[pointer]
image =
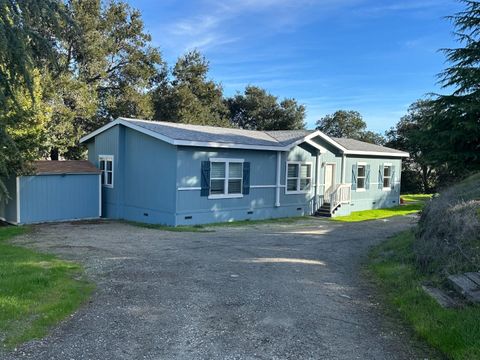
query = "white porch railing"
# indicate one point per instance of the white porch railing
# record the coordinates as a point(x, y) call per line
point(342, 194)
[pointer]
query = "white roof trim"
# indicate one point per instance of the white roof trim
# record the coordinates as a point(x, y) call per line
point(322, 135)
point(316, 146)
point(377, 153)
point(121, 121)
point(213, 144)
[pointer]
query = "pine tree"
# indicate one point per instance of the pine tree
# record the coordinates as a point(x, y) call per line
point(454, 130)
point(190, 97)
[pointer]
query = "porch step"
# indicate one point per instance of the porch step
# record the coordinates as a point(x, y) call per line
point(324, 210)
point(323, 213)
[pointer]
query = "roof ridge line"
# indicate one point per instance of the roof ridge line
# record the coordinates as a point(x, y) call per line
point(266, 133)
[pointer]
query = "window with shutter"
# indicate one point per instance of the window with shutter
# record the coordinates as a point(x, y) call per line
point(361, 176)
point(387, 176)
point(226, 178)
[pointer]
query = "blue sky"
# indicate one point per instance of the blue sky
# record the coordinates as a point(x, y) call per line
point(376, 57)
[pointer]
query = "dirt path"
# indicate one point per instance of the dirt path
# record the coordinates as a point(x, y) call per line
point(258, 292)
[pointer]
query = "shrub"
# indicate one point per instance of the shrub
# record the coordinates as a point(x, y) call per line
point(448, 236)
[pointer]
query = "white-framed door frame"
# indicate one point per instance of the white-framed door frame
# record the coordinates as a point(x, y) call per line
point(334, 170)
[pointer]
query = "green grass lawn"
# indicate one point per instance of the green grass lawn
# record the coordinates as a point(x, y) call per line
point(416, 197)
point(455, 332)
point(36, 290)
point(413, 204)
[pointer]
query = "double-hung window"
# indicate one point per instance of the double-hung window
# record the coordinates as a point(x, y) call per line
point(299, 177)
point(106, 166)
point(226, 178)
point(387, 177)
point(361, 177)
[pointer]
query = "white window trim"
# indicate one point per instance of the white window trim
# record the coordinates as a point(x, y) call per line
point(226, 195)
point(363, 177)
point(389, 188)
point(108, 158)
point(298, 178)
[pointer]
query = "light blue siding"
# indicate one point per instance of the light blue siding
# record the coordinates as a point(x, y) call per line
point(108, 143)
point(149, 174)
point(259, 204)
point(374, 197)
point(144, 176)
point(58, 197)
point(203, 210)
point(156, 182)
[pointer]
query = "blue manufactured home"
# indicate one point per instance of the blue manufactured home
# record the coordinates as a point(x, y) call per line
point(179, 174)
point(54, 191)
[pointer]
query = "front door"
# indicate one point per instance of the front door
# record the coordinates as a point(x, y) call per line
point(329, 181)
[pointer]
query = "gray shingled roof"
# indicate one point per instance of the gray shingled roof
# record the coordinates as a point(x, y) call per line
point(202, 133)
point(286, 137)
point(356, 145)
point(212, 136)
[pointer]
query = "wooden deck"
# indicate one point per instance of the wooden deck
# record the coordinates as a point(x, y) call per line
point(468, 285)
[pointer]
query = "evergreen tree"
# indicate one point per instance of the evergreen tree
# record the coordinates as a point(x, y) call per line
point(190, 97)
point(348, 124)
point(410, 133)
point(256, 109)
point(454, 129)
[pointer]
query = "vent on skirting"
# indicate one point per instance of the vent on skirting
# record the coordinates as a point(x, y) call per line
point(188, 217)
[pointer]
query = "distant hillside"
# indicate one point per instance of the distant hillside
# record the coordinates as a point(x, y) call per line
point(448, 235)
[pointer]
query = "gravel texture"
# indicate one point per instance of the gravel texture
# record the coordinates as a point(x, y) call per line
point(273, 291)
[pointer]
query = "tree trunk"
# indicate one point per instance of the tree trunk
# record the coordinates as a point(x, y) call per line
point(54, 154)
point(425, 176)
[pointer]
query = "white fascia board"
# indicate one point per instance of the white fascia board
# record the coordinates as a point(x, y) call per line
point(99, 130)
point(316, 146)
point(121, 121)
point(378, 153)
point(147, 131)
point(322, 135)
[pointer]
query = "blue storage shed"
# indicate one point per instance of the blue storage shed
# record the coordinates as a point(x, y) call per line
point(55, 191)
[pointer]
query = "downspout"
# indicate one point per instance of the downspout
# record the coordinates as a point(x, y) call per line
point(277, 189)
point(344, 164)
point(317, 181)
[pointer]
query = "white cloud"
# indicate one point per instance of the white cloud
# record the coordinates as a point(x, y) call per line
point(212, 26)
point(404, 6)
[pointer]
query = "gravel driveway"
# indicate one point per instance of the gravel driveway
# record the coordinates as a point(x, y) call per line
point(254, 292)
